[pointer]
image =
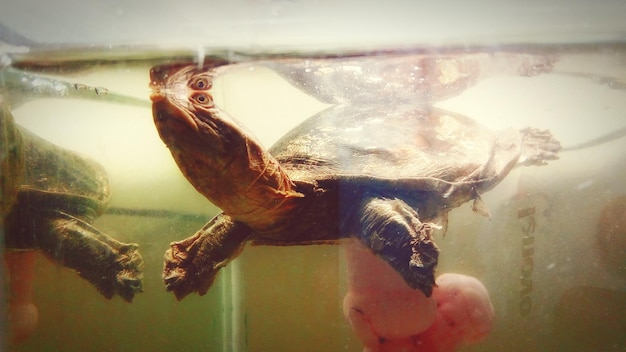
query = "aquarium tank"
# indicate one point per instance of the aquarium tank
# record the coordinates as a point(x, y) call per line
point(263, 175)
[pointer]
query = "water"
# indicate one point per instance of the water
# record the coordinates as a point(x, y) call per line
point(553, 286)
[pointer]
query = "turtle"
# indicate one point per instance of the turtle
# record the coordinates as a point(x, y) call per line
point(382, 173)
point(50, 198)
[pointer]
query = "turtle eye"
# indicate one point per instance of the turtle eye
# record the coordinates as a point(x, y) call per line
point(200, 83)
point(202, 99)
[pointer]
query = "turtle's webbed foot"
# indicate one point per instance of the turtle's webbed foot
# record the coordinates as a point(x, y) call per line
point(538, 147)
point(192, 264)
point(111, 266)
point(391, 228)
point(179, 272)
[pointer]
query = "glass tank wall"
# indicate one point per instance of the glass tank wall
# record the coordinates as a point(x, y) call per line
point(547, 243)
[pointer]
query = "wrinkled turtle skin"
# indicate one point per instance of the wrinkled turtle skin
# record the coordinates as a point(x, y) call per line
point(378, 172)
point(58, 194)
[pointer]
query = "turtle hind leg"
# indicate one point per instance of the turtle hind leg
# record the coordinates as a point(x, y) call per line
point(192, 264)
point(538, 147)
point(392, 230)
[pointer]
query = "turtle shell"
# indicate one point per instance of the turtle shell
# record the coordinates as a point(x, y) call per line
point(411, 147)
point(56, 180)
point(402, 76)
point(63, 180)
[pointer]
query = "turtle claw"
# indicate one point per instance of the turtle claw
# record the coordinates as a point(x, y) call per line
point(129, 272)
point(174, 272)
point(171, 277)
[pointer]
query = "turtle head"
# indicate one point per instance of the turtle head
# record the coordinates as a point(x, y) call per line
point(218, 156)
point(187, 118)
point(202, 138)
point(181, 93)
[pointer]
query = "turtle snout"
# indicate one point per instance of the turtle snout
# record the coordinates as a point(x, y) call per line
point(157, 76)
point(157, 95)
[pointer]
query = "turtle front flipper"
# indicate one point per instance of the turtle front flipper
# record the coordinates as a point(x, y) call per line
point(191, 265)
point(392, 230)
point(111, 266)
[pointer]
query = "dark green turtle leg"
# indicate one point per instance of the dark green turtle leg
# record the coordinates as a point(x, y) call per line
point(111, 266)
point(191, 265)
point(392, 230)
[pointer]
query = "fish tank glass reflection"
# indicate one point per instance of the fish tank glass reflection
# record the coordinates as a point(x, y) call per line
point(451, 197)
